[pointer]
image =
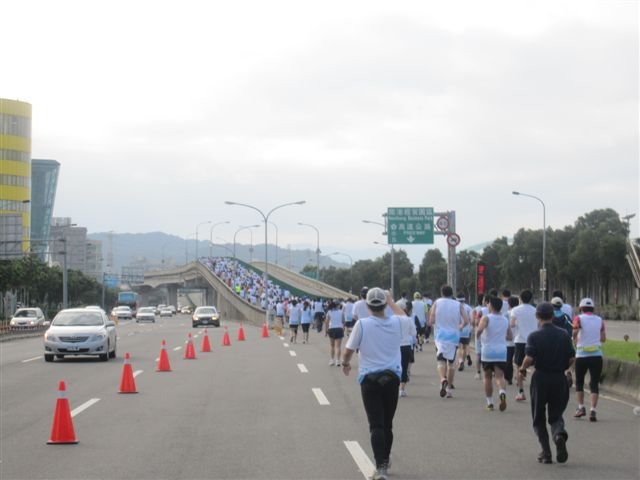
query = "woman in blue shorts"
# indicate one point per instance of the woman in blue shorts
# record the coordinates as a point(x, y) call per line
point(334, 329)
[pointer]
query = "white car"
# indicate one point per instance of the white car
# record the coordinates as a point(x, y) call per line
point(146, 314)
point(166, 312)
point(122, 312)
point(78, 331)
point(27, 318)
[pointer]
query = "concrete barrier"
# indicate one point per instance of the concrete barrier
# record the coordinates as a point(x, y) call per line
point(621, 378)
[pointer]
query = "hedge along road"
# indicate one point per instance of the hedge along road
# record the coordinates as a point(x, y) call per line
point(267, 409)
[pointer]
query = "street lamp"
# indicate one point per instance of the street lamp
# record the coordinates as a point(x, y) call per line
point(627, 218)
point(202, 223)
point(392, 263)
point(276, 227)
point(543, 271)
point(266, 220)
point(65, 274)
point(317, 248)
point(235, 234)
point(224, 246)
point(350, 268)
point(211, 235)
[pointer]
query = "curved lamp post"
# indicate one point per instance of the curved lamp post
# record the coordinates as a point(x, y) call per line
point(350, 268)
point(211, 235)
point(317, 247)
point(235, 234)
point(543, 271)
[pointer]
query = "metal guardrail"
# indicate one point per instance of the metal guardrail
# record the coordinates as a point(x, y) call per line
point(633, 257)
point(8, 333)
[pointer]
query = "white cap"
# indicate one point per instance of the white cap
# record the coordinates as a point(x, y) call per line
point(586, 302)
point(376, 297)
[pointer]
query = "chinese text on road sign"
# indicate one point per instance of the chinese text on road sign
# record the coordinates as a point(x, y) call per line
point(409, 225)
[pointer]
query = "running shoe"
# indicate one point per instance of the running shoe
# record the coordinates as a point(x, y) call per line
point(380, 473)
point(461, 367)
point(520, 397)
point(449, 393)
point(403, 392)
point(469, 362)
point(580, 412)
point(477, 376)
point(332, 362)
point(561, 448)
point(545, 457)
point(592, 416)
point(490, 407)
point(503, 402)
point(338, 363)
point(443, 388)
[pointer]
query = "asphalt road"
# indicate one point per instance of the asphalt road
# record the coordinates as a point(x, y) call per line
point(264, 409)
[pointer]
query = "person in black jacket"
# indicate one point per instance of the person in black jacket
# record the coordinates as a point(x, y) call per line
point(551, 351)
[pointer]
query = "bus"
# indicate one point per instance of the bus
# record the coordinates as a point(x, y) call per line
point(128, 299)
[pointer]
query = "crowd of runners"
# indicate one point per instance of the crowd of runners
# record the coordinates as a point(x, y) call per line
point(511, 336)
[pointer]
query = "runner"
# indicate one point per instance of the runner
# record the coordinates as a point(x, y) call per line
point(334, 329)
point(279, 317)
point(406, 351)
point(305, 320)
point(295, 313)
point(523, 321)
point(551, 351)
point(318, 314)
point(506, 310)
point(449, 318)
point(360, 309)
point(494, 332)
point(481, 310)
point(465, 333)
point(347, 310)
point(566, 308)
point(588, 335)
point(378, 338)
point(420, 318)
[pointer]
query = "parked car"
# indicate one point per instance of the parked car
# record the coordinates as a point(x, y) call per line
point(25, 318)
point(122, 312)
point(166, 312)
point(80, 331)
point(146, 314)
point(205, 316)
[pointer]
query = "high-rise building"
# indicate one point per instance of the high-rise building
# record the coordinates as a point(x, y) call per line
point(15, 177)
point(68, 243)
point(44, 181)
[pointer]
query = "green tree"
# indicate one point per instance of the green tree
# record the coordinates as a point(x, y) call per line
point(433, 272)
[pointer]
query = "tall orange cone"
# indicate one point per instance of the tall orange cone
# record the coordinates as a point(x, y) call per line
point(265, 330)
point(127, 383)
point(190, 352)
point(226, 341)
point(241, 337)
point(206, 346)
point(163, 361)
point(62, 429)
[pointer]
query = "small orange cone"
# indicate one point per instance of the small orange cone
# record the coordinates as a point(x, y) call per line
point(265, 330)
point(163, 361)
point(241, 337)
point(62, 429)
point(226, 341)
point(127, 383)
point(206, 346)
point(190, 352)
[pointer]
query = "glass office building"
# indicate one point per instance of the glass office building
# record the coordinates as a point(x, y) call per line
point(15, 177)
point(44, 181)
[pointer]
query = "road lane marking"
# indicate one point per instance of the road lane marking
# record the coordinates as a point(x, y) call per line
point(322, 400)
point(177, 348)
point(302, 368)
point(282, 338)
point(32, 359)
point(365, 465)
point(84, 406)
point(292, 353)
point(285, 345)
point(137, 372)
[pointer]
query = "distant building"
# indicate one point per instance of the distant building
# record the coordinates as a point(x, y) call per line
point(94, 260)
point(44, 181)
point(68, 240)
point(15, 178)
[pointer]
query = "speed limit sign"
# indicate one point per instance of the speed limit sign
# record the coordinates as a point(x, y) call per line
point(453, 239)
point(442, 223)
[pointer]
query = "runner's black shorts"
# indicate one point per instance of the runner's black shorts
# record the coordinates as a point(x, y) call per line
point(464, 340)
point(491, 366)
point(305, 327)
point(518, 355)
point(336, 333)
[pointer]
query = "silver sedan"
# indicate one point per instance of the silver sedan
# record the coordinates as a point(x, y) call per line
point(80, 331)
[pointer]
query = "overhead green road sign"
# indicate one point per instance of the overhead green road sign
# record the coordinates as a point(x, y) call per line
point(409, 226)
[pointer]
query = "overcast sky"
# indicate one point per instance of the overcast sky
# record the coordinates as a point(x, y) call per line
point(159, 111)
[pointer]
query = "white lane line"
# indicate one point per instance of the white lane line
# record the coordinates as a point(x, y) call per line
point(131, 334)
point(617, 400)
point(177, 348)
point(322, 400)
point(137, 372)
point(282, 338)
point(292, 353)
point(84, 406)
point(302, 368)
point(32, 359)
point(365, 465)
point(285, 345)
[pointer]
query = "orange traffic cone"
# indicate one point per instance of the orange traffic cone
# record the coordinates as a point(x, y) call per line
point(163, 361)
point(206, 346)
point(127, 383)
point(265, 330)
point(62, 430)
point(190, 352)
point(241, 337)
point(226, 341)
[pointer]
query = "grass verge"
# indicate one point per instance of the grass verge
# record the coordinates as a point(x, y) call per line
point(621, 350)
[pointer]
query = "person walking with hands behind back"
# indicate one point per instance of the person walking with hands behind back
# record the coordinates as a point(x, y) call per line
point(378, 339)
point(550, 350)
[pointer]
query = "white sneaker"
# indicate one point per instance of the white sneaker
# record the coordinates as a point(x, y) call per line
point(477, 376)
point(332, 362)
point(403, 392)
point(338, 363)
point(380, 474)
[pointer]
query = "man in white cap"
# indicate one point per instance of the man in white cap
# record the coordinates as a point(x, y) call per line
point(449, 317)
point(377, 338)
